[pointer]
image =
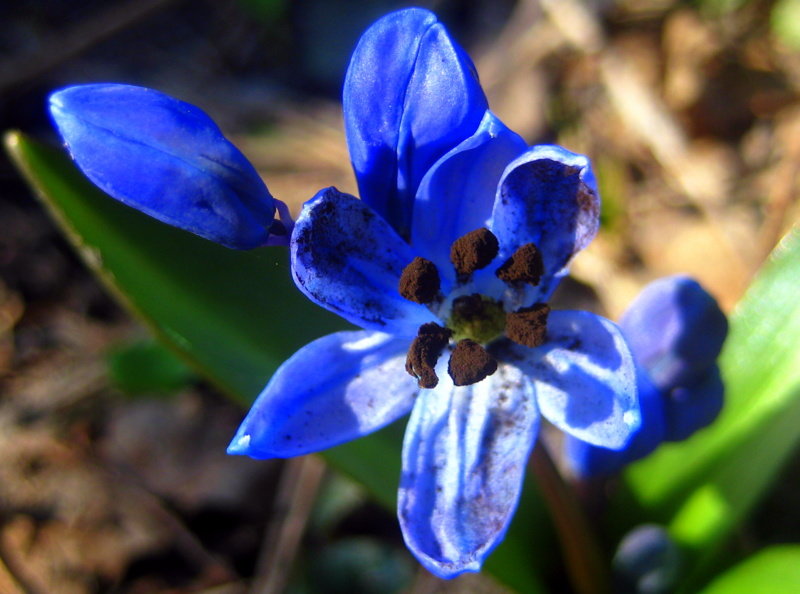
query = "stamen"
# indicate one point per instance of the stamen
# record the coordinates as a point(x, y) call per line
point(470, 363)
point(473, 251)
point(528, 326)
point(524, 266)
point(424, 353)
point(420, 281)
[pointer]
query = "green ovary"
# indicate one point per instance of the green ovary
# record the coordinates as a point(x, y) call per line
point(482, 326)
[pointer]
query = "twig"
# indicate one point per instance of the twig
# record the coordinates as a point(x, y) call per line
point(294, 501)
point(16, 570)
point(586, 567)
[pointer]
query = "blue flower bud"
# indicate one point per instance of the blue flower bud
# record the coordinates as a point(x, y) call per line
point(165, 158)
point(676, 330)
point(647, 561)
point(689, 408)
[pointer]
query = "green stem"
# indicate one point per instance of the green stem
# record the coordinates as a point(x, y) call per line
point(585, 563)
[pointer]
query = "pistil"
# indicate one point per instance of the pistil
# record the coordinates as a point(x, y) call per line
point(477, 317)
point(474, 320)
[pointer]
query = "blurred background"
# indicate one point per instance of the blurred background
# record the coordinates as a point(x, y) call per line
point(113, 476)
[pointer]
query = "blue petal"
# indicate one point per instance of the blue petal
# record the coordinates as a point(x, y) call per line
point(676, 330)
point(464, 458)
point(349, 260)
point(548, 196)
point(337, 388)
point(585, 378)
point(690, 408)
point(166, 158)
point(457, 194)
point(410, 95)
point(588, 460)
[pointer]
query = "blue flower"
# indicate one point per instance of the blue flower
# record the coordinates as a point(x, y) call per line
point(446, 263)
point(676, 331)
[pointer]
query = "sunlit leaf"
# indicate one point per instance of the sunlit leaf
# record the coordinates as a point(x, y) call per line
point(233, 315)
point(785, 22)
point(775, 569)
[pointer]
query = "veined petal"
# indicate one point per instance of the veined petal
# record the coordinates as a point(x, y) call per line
point(587, 460)
point(585, 378)
point(464, 457)
point(548, 196)
point(457, 194)
point(349, 260)
point(166, 158)
point(410, 95)
point(337, 388)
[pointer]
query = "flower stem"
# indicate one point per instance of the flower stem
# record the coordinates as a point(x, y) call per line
point(586, 567)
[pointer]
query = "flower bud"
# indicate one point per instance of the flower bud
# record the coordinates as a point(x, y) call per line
point(689, 408)
point(647, 561)
point(676, 330)
point(165, 158)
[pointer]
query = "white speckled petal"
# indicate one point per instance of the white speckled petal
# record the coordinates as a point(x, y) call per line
point(548, 196)
point(347, 259)
point(464, 458)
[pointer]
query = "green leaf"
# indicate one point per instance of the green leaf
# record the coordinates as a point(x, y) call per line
point(785, 22)
point(704, 487)
point(714, 8)
point(233, 316)
point(266, 10)
point(775, 569)
point(147, 367)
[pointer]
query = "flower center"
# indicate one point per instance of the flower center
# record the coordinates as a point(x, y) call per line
point(477, 317)
point(474, 320)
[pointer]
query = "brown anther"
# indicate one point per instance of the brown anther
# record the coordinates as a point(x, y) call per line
point(470, 363)
point(424, 353)
point(528, 326)
point(473, 251)
point(420, 281)
point(524, 266)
